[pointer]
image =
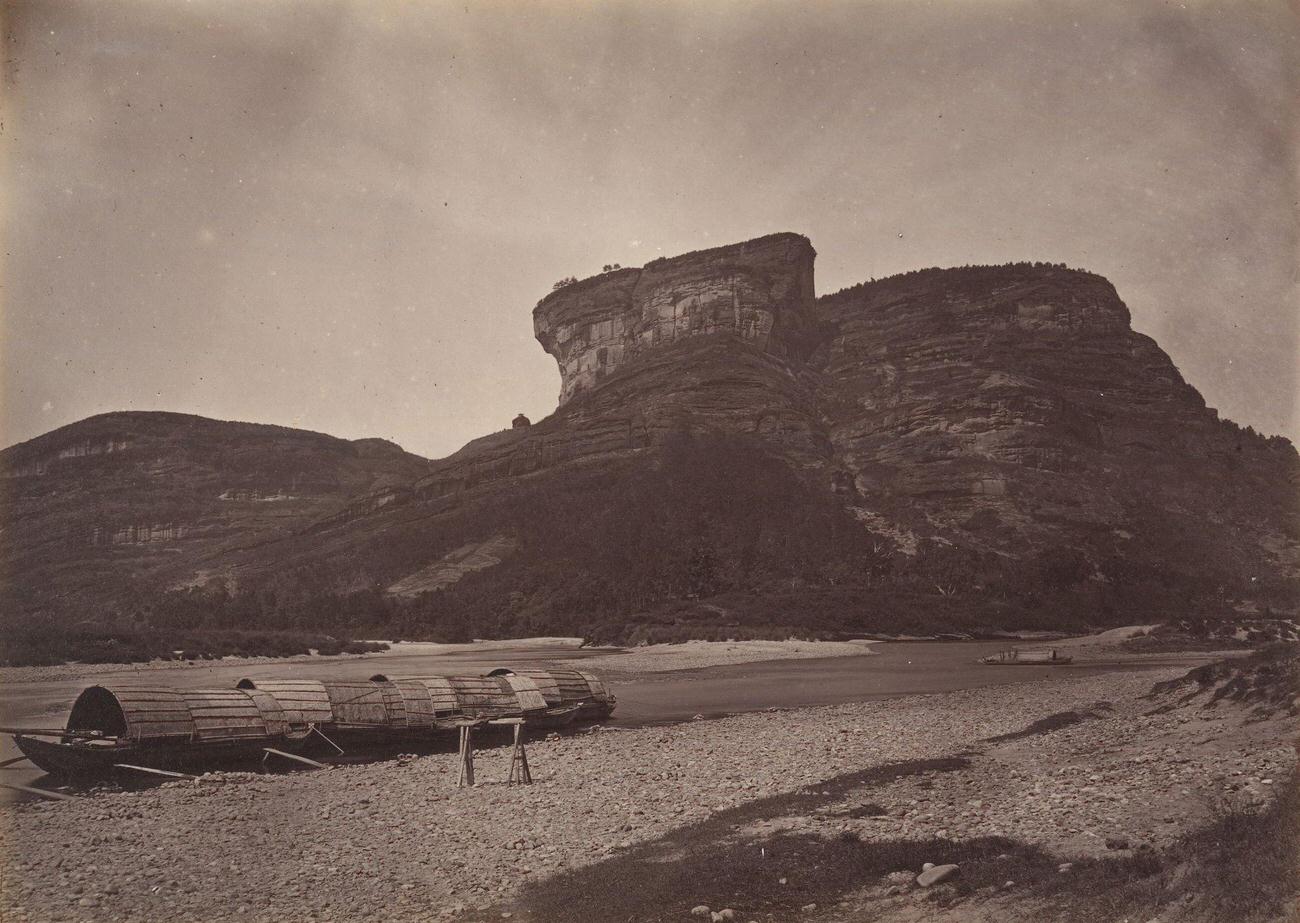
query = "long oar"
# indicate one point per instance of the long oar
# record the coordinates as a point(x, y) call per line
point(44, 793)
point(293, 756)
point(49, 732)
point(156, 772)
point(317, 731)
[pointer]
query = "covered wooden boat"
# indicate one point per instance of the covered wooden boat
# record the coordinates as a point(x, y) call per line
point(485, 698)
point(305, 702)
point(446, 701)
point(380, 710)
point(165, 728)
point(1034, 658)
point(583, 692)
point(537, 711)
point(427, 703)
point(162, 728)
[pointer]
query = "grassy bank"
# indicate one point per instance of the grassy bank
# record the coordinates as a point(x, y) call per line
point(1201, 634)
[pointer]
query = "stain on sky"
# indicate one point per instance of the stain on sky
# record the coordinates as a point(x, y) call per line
point(339, 215)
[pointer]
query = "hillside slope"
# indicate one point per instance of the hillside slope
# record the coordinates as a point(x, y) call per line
point(145, 501)
point(962, 449)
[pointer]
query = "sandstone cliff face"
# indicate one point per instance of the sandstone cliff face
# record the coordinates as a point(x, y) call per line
point(1004, 410)
point(709, 340)
point(1019, 399)
point(974, 383)
point(695, 385)
point(1001, 407)
point(760, 291)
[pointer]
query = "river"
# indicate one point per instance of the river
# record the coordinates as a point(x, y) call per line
point(893, 669)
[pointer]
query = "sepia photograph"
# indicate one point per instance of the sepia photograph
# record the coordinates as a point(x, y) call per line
point(649, 461)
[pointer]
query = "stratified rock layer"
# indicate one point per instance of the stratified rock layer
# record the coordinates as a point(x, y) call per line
point(1020, 400)
point(1001, 409)
point(130, 500)
point(760, 291)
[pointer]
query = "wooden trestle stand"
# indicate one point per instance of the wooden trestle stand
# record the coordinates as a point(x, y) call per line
point(466, 774)
point(519, 771)
point(520, 774)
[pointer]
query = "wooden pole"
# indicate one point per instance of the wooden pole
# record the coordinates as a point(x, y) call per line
point(469, 755)
point(466, 774)
point(9, 762)
point(317, 731)
point(156, 772)
point(293, 756)
point(55, 796)
point(519, 760)
point(49, 732)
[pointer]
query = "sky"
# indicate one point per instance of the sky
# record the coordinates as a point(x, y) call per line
point(339, 216)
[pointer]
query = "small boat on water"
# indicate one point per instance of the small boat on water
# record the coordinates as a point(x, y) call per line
point(1039, 657)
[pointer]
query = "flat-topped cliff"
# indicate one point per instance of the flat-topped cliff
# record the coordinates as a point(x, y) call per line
point(760, 291)
point(995, 445)
point(1014, 407)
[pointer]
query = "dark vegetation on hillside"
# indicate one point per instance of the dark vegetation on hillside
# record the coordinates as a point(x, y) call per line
point(720, 539)
point(1203, 634)
point(978, 277)
point(47, 644)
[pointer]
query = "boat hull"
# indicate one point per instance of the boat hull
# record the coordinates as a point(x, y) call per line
point(553, 718)
point(998, 660)
point(62, 758)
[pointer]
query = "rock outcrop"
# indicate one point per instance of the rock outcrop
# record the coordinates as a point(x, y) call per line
point(1008, 410)
point(760, 291)
point(999, 406)
point(1015, 405)
point(455, 565)
point(1002, 410)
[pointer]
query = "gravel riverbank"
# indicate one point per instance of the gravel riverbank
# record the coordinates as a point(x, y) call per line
point(398, 841)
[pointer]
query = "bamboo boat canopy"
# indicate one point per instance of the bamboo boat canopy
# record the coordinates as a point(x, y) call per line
point(379, 702)
point(142, 728)
point(485, 697)
point(157, 713)
point(304, 701)
point(275, 708)
point(566, 689)
point(528, 693)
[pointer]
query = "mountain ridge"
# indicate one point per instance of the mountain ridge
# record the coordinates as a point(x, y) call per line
point(944, 439)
